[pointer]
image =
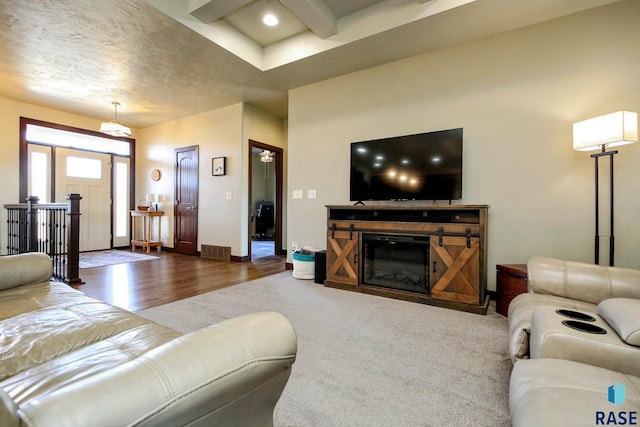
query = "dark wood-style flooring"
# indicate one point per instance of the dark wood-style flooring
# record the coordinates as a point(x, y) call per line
point(145, 284)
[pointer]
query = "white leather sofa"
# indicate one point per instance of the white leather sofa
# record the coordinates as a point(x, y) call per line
point(579, 326)
point(565, 284)
point(69, 360)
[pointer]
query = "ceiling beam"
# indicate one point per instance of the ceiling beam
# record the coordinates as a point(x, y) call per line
point(315, 14)
point(208, 11)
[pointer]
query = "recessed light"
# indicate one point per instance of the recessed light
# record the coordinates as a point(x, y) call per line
point(270, 20)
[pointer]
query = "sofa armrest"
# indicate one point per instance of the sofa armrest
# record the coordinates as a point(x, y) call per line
point(231, 373)
point(24, 269)
point(581, 281)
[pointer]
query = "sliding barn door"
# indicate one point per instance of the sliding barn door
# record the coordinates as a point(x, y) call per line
point(454, 269)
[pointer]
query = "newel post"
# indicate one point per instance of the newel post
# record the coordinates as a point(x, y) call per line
point(32, 224)
point(73, 256)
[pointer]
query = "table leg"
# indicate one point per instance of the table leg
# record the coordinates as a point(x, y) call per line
point(159, 234)
point(133, 233)
point(148, 234)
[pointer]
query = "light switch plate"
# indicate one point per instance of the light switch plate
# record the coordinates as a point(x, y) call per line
point(297, 194)
point(311, 194)
point(229, 195)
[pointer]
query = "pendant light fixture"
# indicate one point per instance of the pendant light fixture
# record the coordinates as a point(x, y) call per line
point(267, 156)
point(114, 127)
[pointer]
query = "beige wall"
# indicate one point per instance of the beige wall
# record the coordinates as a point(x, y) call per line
point(262, 127)
point(10, 113)
point(516, 95)
point(222, 132)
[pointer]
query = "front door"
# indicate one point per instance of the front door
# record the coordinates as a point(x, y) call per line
point(186, 209)
point(88, 174)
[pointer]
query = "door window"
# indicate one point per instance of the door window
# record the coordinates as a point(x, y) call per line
point(82, 167)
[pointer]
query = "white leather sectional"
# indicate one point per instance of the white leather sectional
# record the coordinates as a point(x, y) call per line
point(575, 342)
point(69, 360)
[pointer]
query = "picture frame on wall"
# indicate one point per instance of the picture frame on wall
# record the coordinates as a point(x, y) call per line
point(219, 166)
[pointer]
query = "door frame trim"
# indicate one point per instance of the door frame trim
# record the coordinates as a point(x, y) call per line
point(279, 189)
point(23, 178)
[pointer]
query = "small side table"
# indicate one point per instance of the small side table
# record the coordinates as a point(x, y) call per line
point(147, 219)
point(511, 281)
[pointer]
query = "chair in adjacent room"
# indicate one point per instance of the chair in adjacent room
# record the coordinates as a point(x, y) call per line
point(265, 220)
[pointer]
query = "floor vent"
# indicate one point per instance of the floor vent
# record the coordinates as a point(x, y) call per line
point(222, 253)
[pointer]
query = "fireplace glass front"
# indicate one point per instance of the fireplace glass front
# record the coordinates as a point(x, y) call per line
point(396, 262)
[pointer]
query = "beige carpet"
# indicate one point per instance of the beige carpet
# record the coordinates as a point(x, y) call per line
point(370, 361)
point(111, 257)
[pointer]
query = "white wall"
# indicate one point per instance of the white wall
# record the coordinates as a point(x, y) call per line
point(516, 95)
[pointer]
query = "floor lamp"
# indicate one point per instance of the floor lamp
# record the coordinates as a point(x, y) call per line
point(600, 133)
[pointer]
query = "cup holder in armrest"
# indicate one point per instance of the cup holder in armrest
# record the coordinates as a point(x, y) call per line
point(584, 327)
point(576, 315)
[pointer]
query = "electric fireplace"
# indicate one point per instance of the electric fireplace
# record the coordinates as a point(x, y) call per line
point(396, 261)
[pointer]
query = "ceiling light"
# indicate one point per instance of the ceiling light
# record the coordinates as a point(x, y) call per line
point(114, 127)
point(270, 20)
point(267, 156)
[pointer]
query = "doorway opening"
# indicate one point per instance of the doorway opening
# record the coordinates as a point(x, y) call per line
point(265, 200)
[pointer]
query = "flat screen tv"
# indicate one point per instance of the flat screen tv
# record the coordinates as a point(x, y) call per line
point(425, 166)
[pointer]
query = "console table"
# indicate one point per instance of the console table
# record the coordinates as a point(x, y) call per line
point(147, 219)
point(422, 253)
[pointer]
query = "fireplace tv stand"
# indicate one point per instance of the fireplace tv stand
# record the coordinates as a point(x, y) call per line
point(422, 253)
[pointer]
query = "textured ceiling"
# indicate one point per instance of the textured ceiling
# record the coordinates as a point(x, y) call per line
point(80, 55)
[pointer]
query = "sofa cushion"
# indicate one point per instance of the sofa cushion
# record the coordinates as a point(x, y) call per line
point(622, 315)
point(520, 312)
point(24, 269)
point(8, 411)
point(35, 337)
point(552, 338)
point(37, 382)
point(22, 299)
point(556, 392)
point(581, 281)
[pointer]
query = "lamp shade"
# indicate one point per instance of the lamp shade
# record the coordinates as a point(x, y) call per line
point(610, 130)
point(115, 128)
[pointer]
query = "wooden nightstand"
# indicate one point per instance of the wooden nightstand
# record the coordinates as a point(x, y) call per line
point(511, 281)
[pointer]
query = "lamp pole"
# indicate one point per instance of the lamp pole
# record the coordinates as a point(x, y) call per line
point(597, 236)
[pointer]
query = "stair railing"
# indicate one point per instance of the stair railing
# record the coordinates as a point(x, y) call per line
point(52, 228)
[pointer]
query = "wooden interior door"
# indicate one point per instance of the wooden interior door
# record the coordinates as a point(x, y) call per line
point(342, 257)
point(186, 207)
point(455, 269)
